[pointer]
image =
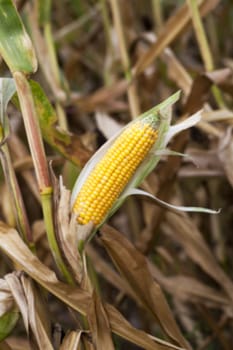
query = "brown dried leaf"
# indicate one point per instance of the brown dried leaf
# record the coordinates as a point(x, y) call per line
point(188, 288)
point(71, 341)
point(201, 87)
point(134, 335)
point(225, 154)
point(4, 346)
point(103, 97)
point(17, 343)
point(181, 228)
point(108, 273)
point(99, 325)
point(6, 299)
point(218, 115)
point(38, 314)
point(15, 248)
point(32, 309)
point(182, 287)
point(135, 271)
point(175, 68)
point(78, 299)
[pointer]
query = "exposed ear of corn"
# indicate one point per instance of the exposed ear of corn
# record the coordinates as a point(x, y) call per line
point(111, 175)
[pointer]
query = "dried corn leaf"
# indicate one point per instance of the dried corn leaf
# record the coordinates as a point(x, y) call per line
point(99, 325)
point(32, 309)
point(182, 229)
point(5, 346)
point(135, 271)
point(201, 87)
point(6, 299)
point(78, 299)
point(225, 154)
point(102, 98)
point(182, 287)
point(17, 343)
point(71, 341)
point(126, 331)
point(189, 289)
point(108, 273)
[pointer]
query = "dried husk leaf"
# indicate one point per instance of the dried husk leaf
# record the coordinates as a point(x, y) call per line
point(107, 125)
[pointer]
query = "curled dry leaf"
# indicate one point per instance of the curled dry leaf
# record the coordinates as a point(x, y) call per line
point(9, 313)
point(6, 299)
point(32, 308)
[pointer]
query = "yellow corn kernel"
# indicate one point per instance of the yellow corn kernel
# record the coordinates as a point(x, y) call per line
point(110, 176)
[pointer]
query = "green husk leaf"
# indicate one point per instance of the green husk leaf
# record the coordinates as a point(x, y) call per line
point(136, 191)
point(15, 45)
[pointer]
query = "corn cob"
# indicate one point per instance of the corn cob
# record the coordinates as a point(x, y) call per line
point(110, 176)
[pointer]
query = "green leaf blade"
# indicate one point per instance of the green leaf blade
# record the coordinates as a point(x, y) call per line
point(15, 45)
point(7, 323)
